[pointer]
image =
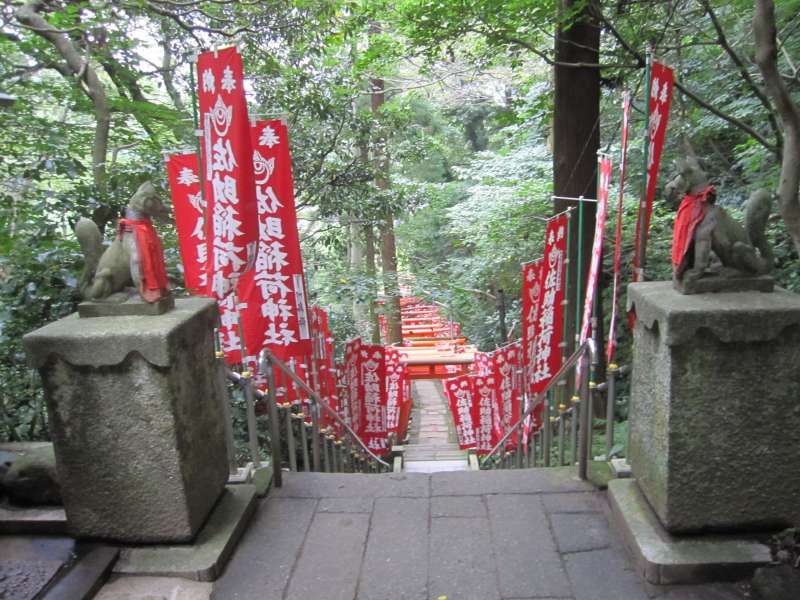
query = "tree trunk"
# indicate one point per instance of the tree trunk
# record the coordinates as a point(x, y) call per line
point(391, 287)
point(374, 326)
point(28, 14)
point(576, 139)
point(767, 61)
point(357, 271)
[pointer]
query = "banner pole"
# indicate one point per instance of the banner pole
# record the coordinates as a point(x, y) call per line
point(641, 248)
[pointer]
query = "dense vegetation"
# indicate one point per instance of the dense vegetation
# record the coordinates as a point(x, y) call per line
point(460, 152)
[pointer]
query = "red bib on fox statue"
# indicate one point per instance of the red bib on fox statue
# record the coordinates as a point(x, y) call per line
point(691, 213)
point(153, 283)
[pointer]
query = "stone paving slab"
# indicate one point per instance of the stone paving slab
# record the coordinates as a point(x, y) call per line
point(580, 532)
point(262, 564)
point(329, 564)
point(152, 588)
point(343, 485)
point(458, 506)
point(352, 539)
point(462, 564)
point(525, 481)
point(396, 561)
point(527, 556)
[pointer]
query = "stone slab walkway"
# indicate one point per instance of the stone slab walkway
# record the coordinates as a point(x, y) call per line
point(431, 447)
point(498, 535)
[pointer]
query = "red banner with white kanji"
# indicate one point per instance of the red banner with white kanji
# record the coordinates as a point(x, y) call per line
point(189, 206)
point(396, 377)
point(612, 328)
point(484, 412)
point(550, 318)
point(272, 294)
point(531, 297)
point(352, 378)
point(373, 385)
point(227, 167)
point(506, 366)
point(597, 245)
point(459, 392)
point(662, 80)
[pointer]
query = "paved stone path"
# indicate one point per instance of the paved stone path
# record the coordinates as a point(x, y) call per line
point(510, 535)
point(430, 448)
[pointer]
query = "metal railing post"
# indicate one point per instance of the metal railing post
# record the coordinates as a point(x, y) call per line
point(290, 445)
point(274, 425)
point(611, 401)
point(252, 433)
point(224, 398)
point(548, 431)
point(585, 422)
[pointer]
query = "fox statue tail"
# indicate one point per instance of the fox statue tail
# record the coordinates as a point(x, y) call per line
point(757, 211)
point(91, 242)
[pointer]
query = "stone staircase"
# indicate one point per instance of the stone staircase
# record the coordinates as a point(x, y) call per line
point(430, 448)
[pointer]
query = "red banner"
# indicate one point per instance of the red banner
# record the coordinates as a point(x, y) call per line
point(531, 296)
point(612, 329)
point(342, 394)
point(459, 392)
point(661, 83)
point(484, 409)
point(189, 205)
point(482, 364)
point(272, 294)
point(352, 377)
point(373, 383)
point(597, 245)
point(395, 390)
point(228, 166)
point(550, 319)
point(506, 365)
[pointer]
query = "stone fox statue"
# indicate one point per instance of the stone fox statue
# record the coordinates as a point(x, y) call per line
point(701, 227)
point(135, 257)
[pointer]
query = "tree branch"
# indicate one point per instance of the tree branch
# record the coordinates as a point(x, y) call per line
point(736, 59)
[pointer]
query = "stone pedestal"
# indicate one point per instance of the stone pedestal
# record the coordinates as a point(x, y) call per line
point(715, 407)
point(136, 421)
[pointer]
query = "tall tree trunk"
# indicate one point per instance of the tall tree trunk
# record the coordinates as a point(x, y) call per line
point(767, 60)
point(369, 255)
point(576, 139)
point(76, 65)
point(357, 271)
point(391, 287)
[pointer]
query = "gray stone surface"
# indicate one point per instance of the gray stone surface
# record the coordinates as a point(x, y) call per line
point(205, 558)
point(713, 400)
point(461, 560)
point(330, 561)
point(264, 560)
point(458, 506)
point(396, 560)
point(130, 307)
point(576, 502)
point(134, 416)
point(85, 576)
point(29, 563)
point(716, 285)
point(340, 485)
point(521, 536)
point(580, 532)
point(526, 481)
point(501, 545)
point(152, 588)
point(346, 505)
point(603, 575)
point(661, 558)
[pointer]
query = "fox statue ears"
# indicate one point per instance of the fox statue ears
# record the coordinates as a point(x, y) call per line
point(147, 201)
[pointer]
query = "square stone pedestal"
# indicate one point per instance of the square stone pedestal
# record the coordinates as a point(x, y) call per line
point(715, 407)
point(136, 421)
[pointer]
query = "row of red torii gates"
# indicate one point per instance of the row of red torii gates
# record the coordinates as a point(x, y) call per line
point(433, 347)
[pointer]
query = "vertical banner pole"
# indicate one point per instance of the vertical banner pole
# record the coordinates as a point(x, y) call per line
point(274, 425)
point(641, 241)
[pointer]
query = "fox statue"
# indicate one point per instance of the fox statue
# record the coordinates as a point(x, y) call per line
point(134, 257)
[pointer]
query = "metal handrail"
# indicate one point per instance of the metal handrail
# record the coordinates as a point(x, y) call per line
point(538, 398)
point(267, 355)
